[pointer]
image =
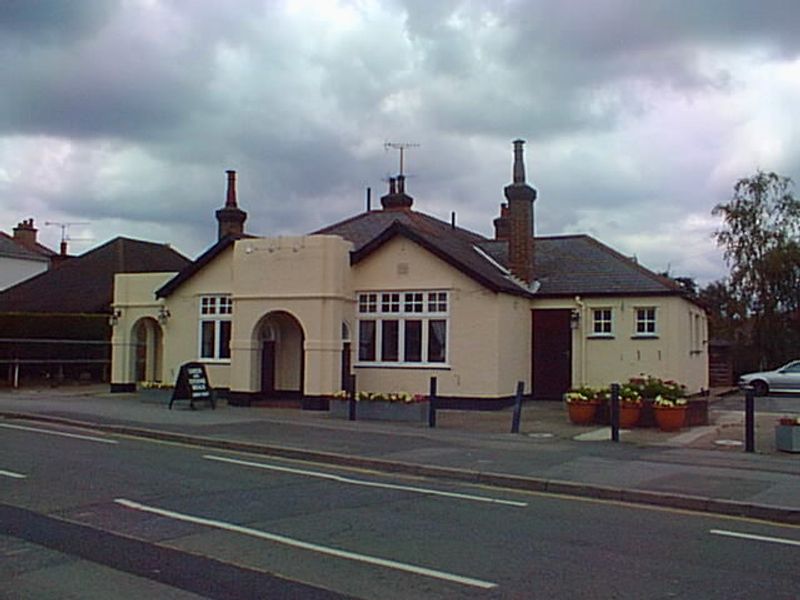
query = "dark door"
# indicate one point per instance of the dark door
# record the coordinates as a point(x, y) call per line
point(552, 353)
point(268, 368)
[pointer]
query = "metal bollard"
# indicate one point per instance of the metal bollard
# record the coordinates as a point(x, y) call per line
point(749, 419)
point(432, 403)
point(517, 407)
point(351, 392)
point(614, 412)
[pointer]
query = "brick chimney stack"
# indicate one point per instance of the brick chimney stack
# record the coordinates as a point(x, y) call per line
point(397, 199)
point(25, 235)
point(517, 221)
point(230, 218)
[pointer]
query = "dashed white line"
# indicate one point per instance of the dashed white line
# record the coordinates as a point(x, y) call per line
point(751, 536)
point(280, 539)
point(87, 438)
point(12, 474)
point(390, 486)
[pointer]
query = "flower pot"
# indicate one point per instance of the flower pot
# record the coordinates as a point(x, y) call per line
point(629, 415)
point(582, 413)
point(787, 438)
point(670, 418)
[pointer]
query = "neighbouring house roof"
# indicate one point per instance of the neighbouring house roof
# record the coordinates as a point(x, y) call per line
point(85, 283)
point(570, 265)
point(11, 249)
point(38, 250)
point(196, 265)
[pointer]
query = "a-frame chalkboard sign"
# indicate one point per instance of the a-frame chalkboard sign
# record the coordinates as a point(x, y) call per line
point(192, 385)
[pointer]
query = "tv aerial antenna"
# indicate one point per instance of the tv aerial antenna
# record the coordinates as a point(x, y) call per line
point(402, 147)
point(65, 237)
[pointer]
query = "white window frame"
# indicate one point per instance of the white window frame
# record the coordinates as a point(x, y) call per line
point(402, 306)
point(638, 320)
point(602, 321)
point(215, 309)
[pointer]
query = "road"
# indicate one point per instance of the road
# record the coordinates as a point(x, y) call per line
point(85, 515)
point(788, 404)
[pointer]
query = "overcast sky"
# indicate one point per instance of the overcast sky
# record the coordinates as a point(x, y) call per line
point(639, 115)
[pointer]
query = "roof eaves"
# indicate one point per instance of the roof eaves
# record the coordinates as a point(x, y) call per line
point(188, 272)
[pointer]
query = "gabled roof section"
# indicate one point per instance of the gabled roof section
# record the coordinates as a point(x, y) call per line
point(570, 265)
point(85, 283)
point(11, 249)
point(371, 230)
point(201, 261)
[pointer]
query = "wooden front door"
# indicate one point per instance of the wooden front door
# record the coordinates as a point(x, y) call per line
point(552, 353)
point(268, 368)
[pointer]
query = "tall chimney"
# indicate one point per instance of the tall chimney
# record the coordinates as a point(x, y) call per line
point(230, 218)
point(397, 199)
point(25, 234)
point(520, 198)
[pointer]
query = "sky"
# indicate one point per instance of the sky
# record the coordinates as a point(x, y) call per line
point(120, 117)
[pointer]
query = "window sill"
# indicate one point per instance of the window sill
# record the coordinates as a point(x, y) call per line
point(214, 361)
point(413, 366)
point(600, 336)
point(645, 336)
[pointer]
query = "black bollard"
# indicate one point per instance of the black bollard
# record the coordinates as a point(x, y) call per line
point(749, 419)
point(517, 407)
point(614, 412)
point(432, 404)
point(351, 393)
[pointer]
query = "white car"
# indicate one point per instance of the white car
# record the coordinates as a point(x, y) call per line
point(783, 379)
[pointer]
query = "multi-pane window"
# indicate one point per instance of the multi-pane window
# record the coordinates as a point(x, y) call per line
point(646, 321)
point(215, 327)
point(402, 328)
point(602, 323)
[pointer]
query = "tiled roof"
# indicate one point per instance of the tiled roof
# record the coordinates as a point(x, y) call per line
point(11, 249)
point(84, 284)
point(571, 265)
point(370, 230)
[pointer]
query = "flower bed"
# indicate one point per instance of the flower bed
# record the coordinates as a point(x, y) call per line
point(380, 406)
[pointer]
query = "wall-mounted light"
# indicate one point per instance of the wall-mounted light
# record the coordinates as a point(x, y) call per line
point(574, 319)
point(113, 318)
point(163, 314)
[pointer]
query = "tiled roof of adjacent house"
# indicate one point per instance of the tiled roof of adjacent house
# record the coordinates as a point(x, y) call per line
point(456, 246)
point(11, 249)
point(84, 284)
point(570, 265)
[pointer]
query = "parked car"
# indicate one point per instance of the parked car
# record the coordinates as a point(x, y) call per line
point(783, 379)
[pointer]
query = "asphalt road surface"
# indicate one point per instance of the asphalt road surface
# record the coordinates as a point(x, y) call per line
point(85, 515)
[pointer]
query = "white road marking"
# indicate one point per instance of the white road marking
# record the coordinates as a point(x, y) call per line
point(280, 539)
point(391, 486)
point(758, 538)
point(12, 474)
point(88, 438)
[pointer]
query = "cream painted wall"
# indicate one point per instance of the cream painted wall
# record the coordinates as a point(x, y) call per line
point(674, 353)
point(134, 299)
point(488, 333)
point(305, 277)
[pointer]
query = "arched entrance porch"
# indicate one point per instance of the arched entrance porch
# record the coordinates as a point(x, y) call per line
point(147, 341)
point(280, 341)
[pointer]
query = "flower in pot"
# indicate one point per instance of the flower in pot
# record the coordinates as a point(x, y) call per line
point(582, 404)
point(670, 412)
point(630, 406)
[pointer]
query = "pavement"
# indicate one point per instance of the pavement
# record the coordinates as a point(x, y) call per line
point(702, 469)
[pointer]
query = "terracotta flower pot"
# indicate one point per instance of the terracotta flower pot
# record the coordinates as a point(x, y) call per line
point(629, 415)
point(670, 418)
point(582, 413)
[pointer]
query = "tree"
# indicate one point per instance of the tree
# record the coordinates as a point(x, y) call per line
point(761, 236)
